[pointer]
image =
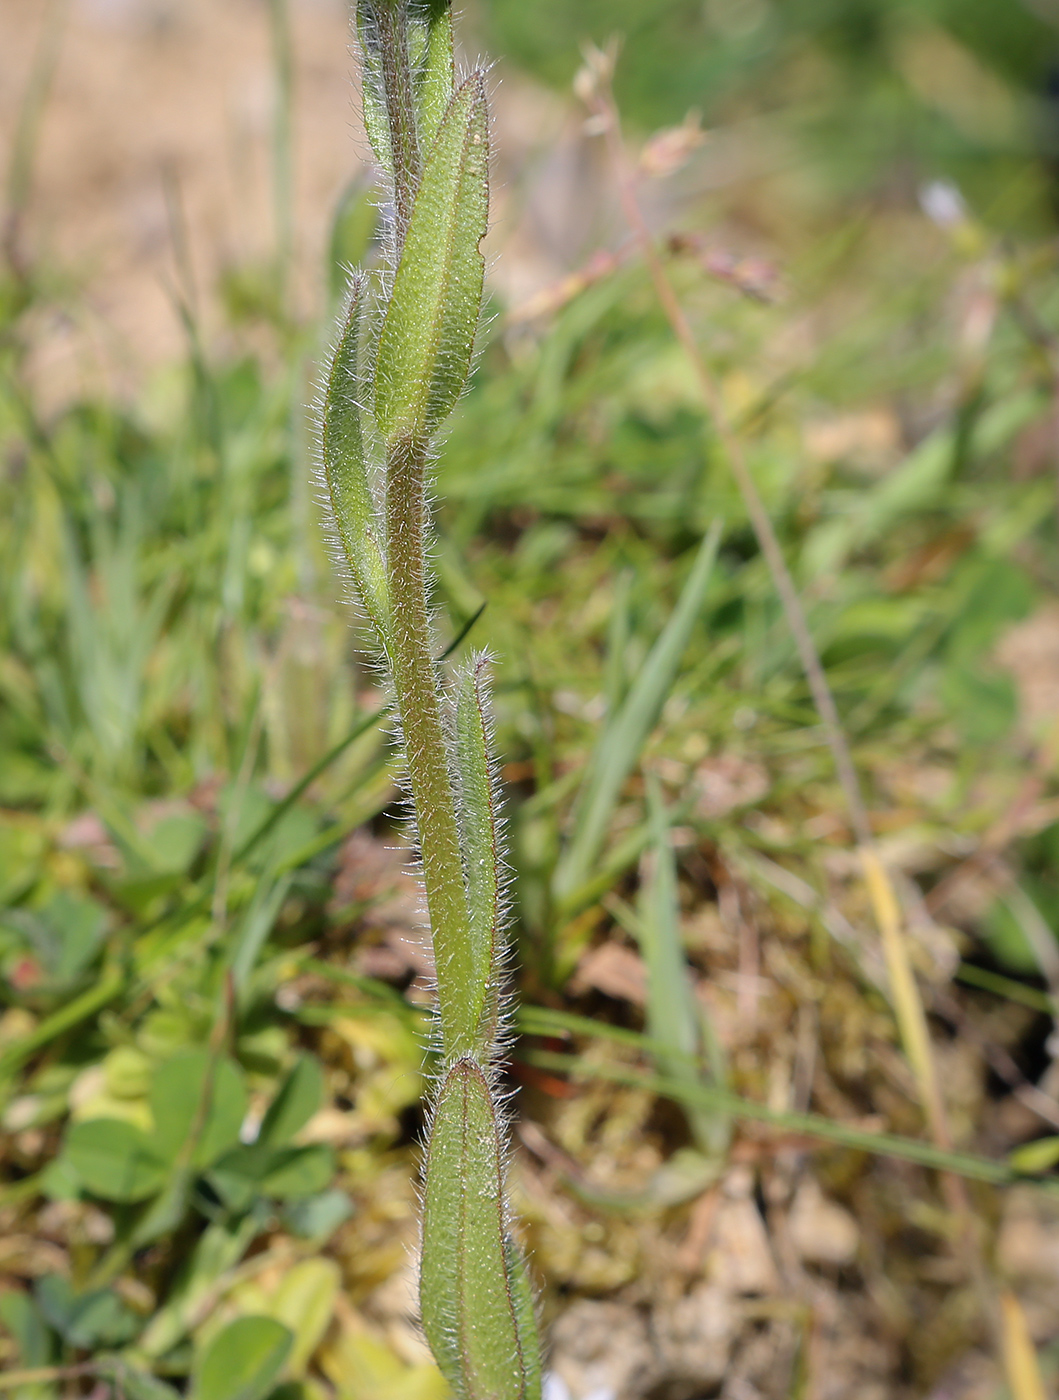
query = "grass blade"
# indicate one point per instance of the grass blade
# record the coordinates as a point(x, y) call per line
point(673, 1018)
point(623, 739)
point(813, 1125)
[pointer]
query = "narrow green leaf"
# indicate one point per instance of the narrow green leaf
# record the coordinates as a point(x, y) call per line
point(673, 1017)
point(373, 95)
point(427, 337)
point(243, 1361)
point(619, 630)
point(527, 1332)
point(430, 44)
point(255, 926)
point(389, 96)
point(480, 841)
point(110, 984)
point(813, 1125)
point(975, 976)
point(477, 1313)
point(346, 464)
point(624, 737)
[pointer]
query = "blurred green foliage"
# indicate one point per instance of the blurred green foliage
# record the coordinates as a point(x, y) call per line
point(869, 89)
point(179, 912)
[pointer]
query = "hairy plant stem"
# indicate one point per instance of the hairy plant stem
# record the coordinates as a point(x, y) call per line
point(392, 21)
point(416, 686)
point(431, 139)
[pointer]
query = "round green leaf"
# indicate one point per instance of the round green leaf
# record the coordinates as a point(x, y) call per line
point(243, 1361)
point(114, 1159)
point(197, 1094)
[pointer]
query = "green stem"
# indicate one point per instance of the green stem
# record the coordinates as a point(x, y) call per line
point(419, 705)
point(392, 22)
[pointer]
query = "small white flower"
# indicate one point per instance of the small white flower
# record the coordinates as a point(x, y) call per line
point(942, 203)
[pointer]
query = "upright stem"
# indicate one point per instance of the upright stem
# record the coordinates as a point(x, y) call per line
point(415, 683)
point(400, 109)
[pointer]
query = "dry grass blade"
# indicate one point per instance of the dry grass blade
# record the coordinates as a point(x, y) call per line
point(1020, 1356)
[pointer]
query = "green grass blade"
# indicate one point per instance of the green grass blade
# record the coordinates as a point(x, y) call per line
point(280, 810)
point(618, 632)
point(811, 1125)
point(623, 739)
point(673, 1018)
point(109, 986)
point(974, 976)
point(257, 924)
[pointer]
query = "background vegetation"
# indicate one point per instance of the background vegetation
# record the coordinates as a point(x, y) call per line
point(213, 990)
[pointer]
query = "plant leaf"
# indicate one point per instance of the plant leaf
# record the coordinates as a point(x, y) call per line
point(141, 1385)
point(86, 1320)
point(286, 1173)
point(197, 1095)
point(304, 1302)
point(389, 101)
point(317, 1217)
point(430, 46)
point(1041, 1155)
point(115, 1160)
point(673, 1017)
point(300, 1171)
point(218, 1249)
point(297, 1099)
point(346, 464)
point(243, 1361)
point(622, 743)
point(427, 337)
point(22, 1316)
point(474, 1295)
